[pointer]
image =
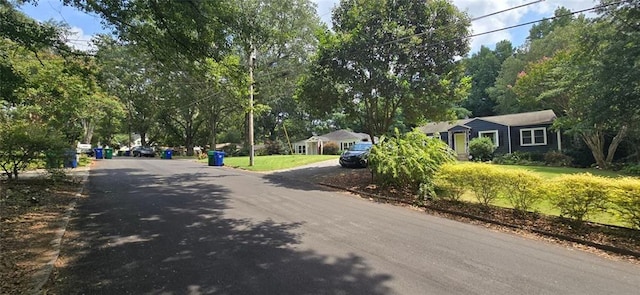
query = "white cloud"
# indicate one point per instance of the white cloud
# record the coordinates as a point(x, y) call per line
point(77, 39)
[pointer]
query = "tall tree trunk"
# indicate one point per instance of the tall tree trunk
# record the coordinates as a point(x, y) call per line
point(88, 127)
point(595, 142)
point(615, 142)
point(143, 138)
point(213, 122)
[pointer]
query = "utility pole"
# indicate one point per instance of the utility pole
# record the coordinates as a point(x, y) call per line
point(252, 57)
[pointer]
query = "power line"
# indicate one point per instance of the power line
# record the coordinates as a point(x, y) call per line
point(473, 19)
point(531, 22)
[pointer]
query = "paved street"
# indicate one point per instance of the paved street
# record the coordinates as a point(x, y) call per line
point(155, 226)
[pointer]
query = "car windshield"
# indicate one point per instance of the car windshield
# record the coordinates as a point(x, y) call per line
point(361, 147)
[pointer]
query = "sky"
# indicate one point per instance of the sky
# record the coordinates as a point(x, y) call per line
point(84, 26)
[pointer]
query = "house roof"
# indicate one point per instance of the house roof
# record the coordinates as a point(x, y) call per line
point(342, 134)
point(521, 119)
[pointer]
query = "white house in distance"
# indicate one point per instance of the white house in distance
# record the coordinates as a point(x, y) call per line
point(315, 144)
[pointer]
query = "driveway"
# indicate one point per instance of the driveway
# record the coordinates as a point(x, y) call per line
point(156, 226)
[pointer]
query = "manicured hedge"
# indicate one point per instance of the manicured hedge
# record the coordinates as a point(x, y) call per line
point(576, 196)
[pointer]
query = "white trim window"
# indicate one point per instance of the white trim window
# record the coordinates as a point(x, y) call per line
point(492, 134)
point(533, 136)
point(302, 149)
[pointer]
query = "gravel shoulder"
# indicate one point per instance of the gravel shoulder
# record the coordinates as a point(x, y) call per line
point(32, 222)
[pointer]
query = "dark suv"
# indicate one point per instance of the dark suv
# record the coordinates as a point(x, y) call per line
point(356, 156)
point(143, 151)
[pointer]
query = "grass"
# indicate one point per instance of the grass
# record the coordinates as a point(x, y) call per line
point(552, 172)
point(274, 162)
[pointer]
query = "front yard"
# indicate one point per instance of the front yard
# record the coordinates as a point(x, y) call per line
point(274, 162)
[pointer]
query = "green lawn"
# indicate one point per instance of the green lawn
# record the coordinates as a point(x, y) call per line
point(274, 162)
point(551, 172)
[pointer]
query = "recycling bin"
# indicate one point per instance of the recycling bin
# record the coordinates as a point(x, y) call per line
point(218, 158)
point(108, 153)
point(168, 154)
point(98, 153)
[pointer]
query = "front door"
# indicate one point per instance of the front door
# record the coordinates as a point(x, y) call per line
point(460, 143)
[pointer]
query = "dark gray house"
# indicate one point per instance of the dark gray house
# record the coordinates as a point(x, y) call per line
point(527, 132)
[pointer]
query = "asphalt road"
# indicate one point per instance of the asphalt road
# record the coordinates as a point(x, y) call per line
point(155, 226)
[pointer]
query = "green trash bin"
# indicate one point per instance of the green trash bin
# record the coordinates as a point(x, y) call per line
point(212, 158)
point(108, 153)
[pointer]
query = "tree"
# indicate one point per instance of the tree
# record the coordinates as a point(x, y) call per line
point(168, 29)
point(129, 73)
point(562, 37)
point(389, 58)
point(483, 67)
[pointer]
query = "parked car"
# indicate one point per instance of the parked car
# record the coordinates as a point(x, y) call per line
point(356, 156)
point(143, 151)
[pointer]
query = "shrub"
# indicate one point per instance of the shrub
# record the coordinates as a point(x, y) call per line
point(626, 200)
point(555, 158)
point(485, 180)
point(449, 182)
point(409, 160)
point(579, 195)
point(22, 142)
point(331, 148)
point(519, 158)
point(632, 169)
point(522, 189)
point(481, 148)
point(273, 147)
point(261, 152)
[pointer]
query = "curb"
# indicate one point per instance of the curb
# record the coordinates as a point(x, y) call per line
point(42, 275)
point(608, 248)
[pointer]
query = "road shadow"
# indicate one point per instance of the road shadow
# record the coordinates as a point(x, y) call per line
point(137, 235)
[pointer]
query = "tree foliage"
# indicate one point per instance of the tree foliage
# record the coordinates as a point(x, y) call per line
point(388, 59)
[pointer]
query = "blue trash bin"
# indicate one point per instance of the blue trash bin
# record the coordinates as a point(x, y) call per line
point(98, 153)
point(218, 158)
point(168, 154)
point(70, 159)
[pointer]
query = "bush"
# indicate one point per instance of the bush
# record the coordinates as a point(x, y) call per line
point(626, 200)
point(409, 161)
point(449, 182)
point(485, 180)
point(519, 158)
point(273, 147)
point(522, 189)
point(632, 169)
point(331, 148)
point(579, 195)
point(481, 148)
point(555, 158)
point(22, 142)
point(261, 152)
